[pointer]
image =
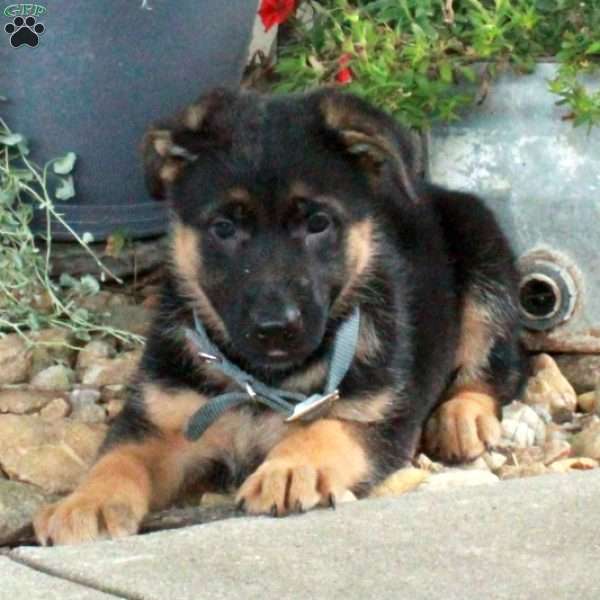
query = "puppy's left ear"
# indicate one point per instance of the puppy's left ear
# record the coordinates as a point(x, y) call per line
point(371, 135)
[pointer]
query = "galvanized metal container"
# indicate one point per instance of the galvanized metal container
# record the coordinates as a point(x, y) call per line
point(541, 176)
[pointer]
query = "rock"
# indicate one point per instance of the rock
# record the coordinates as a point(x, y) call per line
point(113, 392)
point(95, 303)
point(589, 402)
point(453, 478)
point(525, 470)
point(494, 460)
point(56, 409)
point(556, 450)
point(135, 319)
point(478, 463)
point(579, 463)
point(587, 443)
point(582, 370)
point(210, 499)
point(110, 371)
point(522, 426)
point(89, 413)
point(92, 352)
point(18, 503)
point(15, 359)
point(53, 346)
point(525, 456)
point(424, 462)
point(52, 455)
point(113, 408)
point(56, 378)
point(400, 482)
point(23, 400)
point(85, 408)
point(548, 387)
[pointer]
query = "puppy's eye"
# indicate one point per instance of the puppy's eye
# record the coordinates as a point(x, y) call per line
point(318, 223)
point(224, 229)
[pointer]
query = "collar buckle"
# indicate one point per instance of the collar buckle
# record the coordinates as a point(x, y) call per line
point(313, 407)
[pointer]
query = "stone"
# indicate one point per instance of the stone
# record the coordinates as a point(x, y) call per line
point(523, 470)
point(549, 388)
point(18, 503)
point(587, 442)
point(110, 371)
point(400, 482)
point(494, 460)
point(52, 346)
point(453, 478)
point(89, 413)
point(94, 351)
point(522, 426)
point(556, 450)
point(23, 400)
point(56, 409)
point(424, 462)
point(52, 455)
point(210, 499)
point(582, 370)
point(113, 408)
point(579, 463)
point(134, 319)
point(113, 392)
point(589, 402)
point(58, 377)
point(15, 359)
point(85, 405)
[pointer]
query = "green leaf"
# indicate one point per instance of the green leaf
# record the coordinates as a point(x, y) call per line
point(593, 48)
point(67, 281)
point(65, 164)
point(89, 285)
point(66, 189)
point(12, 139)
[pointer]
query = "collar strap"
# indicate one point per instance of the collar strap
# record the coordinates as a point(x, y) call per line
point(292, 404)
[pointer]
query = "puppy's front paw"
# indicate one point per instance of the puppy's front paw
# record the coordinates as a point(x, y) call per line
point(284, 485)
point(462, 428)
point(84, 517)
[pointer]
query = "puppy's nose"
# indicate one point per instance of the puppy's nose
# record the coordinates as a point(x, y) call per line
point(279, 329)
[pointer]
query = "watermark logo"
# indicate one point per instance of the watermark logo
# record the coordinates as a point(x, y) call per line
point(25, 28)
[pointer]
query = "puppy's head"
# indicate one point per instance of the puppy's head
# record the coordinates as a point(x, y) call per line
point(276, 203)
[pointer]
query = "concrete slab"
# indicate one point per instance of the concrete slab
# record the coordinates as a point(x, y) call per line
point(18, 582)
point(531, 539)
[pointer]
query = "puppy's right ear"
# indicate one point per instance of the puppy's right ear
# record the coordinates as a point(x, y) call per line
point(169, 147)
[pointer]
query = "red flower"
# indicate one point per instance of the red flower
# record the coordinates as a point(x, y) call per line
point(274, 12)
point(344, 75)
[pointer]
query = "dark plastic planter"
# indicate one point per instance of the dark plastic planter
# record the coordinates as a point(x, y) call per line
point(100, 74)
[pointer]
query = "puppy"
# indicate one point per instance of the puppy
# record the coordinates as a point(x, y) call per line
point(296, 218)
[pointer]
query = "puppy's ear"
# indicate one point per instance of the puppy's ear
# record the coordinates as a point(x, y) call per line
point(371, 135)
point(170, 146)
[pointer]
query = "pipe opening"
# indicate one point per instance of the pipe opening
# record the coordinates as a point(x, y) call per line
point(539, 297)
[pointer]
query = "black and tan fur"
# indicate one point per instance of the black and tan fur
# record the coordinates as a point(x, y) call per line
point(288, 212)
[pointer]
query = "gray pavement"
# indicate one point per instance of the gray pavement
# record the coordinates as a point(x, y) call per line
point(536, 538)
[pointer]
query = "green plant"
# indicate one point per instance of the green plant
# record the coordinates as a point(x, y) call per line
point(29, 298)
point(427, 60)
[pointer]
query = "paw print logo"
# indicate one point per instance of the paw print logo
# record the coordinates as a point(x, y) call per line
point(24, 31)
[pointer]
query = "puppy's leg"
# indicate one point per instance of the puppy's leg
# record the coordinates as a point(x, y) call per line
point(141, 468)
point(490, 373)
point(312, 465)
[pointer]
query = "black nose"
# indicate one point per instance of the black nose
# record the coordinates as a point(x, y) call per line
point(276, 329)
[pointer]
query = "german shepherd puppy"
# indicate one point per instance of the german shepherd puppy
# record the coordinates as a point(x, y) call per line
point(288, 213)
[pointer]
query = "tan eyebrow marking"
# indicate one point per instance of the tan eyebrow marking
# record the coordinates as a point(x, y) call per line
point(301, 191)
point(239, 194)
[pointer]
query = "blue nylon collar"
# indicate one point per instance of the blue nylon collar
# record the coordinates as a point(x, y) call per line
point(292, 404)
